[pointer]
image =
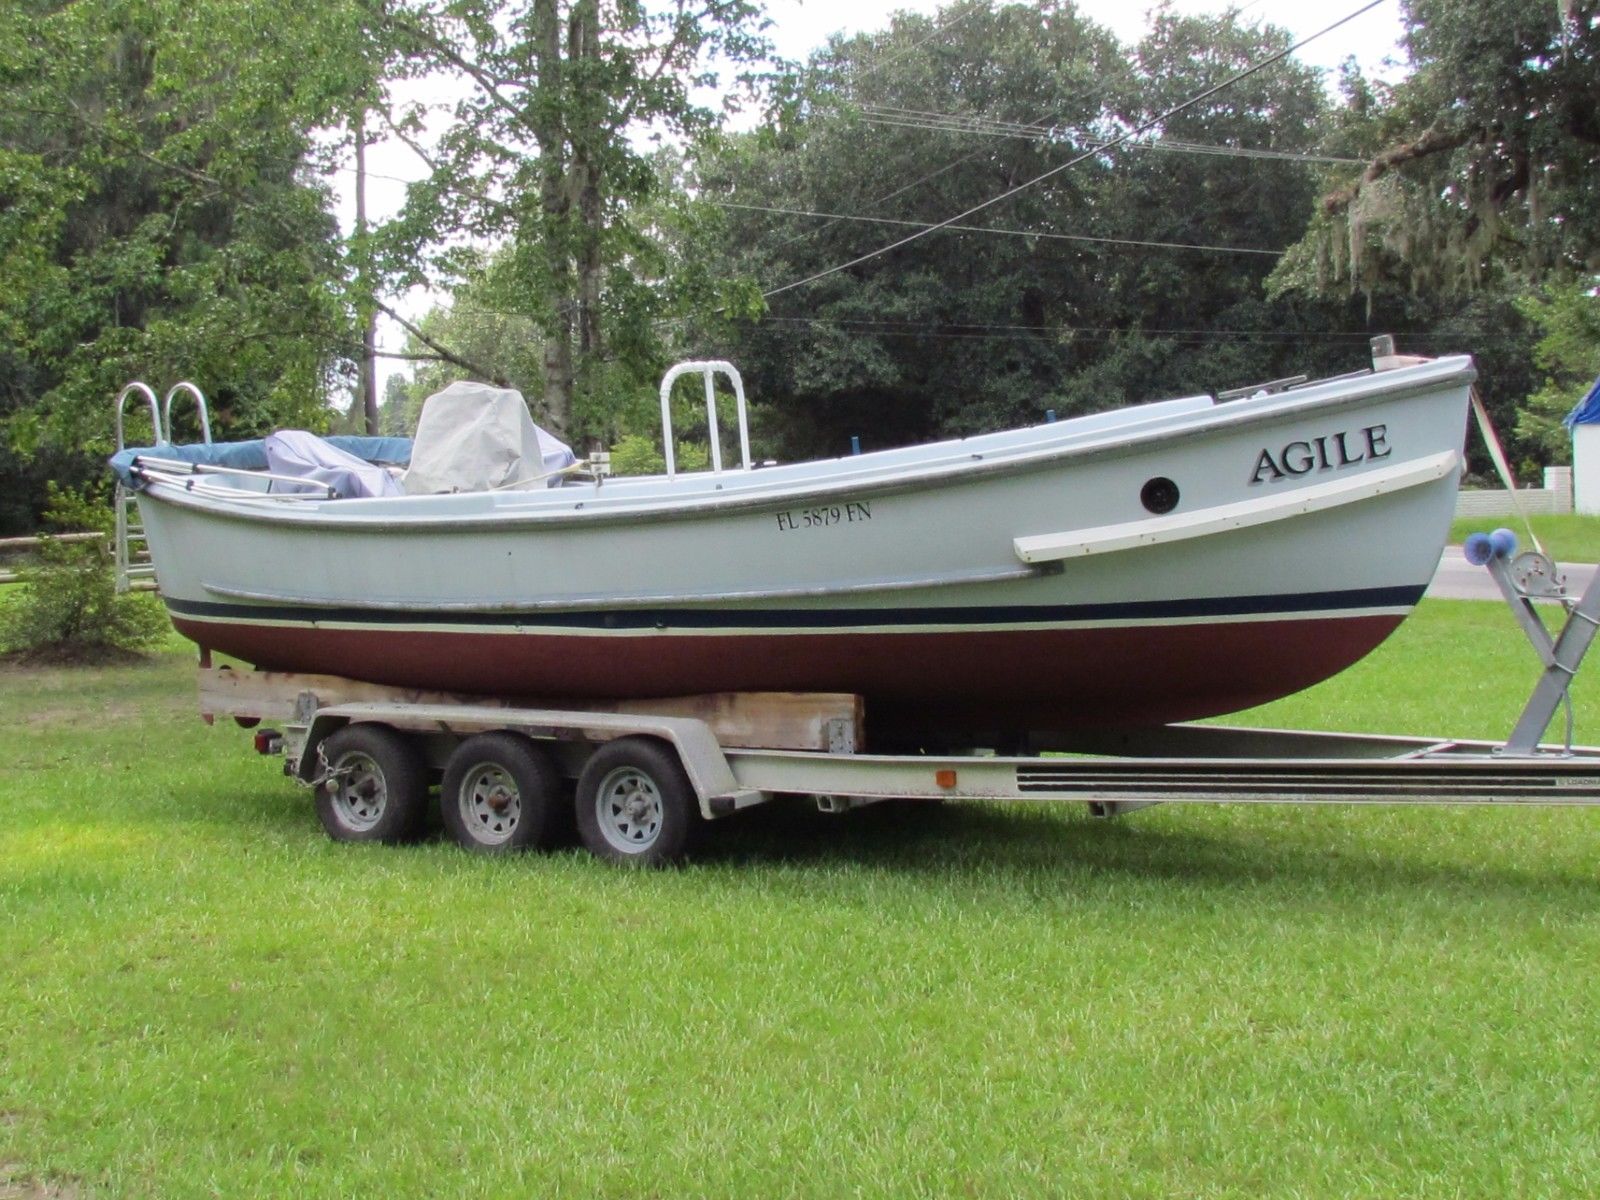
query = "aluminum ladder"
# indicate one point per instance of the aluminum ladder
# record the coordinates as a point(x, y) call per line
point(133, 569)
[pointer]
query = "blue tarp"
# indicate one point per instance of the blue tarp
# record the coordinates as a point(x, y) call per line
point(252, 455)
point(1588, 410)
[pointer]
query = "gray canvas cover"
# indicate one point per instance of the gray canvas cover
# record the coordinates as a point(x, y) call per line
point(306, 456)
point(473, 437)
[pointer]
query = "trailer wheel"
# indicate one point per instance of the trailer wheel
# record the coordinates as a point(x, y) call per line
point(376, 789)
point(636, 805)
point(498, 794)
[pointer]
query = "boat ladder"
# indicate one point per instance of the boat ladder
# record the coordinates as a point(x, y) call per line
point(710, 369)
point(134, 571)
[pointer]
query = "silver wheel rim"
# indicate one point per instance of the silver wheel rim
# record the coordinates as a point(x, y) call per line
point(360, 794)
point(629, 811)
point(490, 804)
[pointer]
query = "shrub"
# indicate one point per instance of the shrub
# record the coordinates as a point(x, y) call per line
point(636, 454)
point(69, 609)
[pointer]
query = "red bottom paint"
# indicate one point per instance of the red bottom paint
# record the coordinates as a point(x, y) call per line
point(1057, 679)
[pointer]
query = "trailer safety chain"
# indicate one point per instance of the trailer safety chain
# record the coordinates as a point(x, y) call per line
point(324, 770)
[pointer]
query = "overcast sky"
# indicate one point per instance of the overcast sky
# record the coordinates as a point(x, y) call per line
point(801, 26)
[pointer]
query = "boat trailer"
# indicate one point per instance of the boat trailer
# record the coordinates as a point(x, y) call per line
point(642, 777)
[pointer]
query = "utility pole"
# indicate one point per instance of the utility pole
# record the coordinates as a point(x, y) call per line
point(368, 375)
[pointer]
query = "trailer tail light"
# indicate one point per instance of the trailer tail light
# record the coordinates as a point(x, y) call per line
point(268, 741)
point(945, 778)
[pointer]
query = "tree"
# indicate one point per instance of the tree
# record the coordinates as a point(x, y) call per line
point(1480, 166)
point(507, 349)
point(1568, 318)
point(1474, 186)
point(545, 155)
point(500, 347)
point(154, 218)
point(1135, 273)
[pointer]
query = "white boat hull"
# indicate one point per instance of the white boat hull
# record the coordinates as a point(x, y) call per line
point(1016, 581)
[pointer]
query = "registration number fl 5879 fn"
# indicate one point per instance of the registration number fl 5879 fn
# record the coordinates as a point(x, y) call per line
point(856, 512)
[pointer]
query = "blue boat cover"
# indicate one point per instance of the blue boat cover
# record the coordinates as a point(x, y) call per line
point(1587, 411)
point(252, 455)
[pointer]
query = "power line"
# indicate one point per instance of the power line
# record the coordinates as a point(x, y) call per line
point(968, 157)
point(989, 127)
point(1024, 233)
point(950, 166)
point(1031, 126)
point(1302, 156)
point(1076, 159)
point(915, 118)
point(934, 174)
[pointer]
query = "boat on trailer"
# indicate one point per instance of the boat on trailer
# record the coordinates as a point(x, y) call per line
point(642, 778)
point(1128, 569)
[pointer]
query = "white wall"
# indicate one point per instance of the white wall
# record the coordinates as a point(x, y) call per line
point(1554, 497)
point(1586, 468)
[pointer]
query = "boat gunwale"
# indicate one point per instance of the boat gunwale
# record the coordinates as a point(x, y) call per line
point(592, 509)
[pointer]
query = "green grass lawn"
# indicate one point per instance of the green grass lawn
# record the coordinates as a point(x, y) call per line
point(1569, 537)
point(201, 995)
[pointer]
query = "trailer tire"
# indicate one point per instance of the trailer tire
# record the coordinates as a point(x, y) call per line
point(636, 805)
point(499, 794)
point(376, 789)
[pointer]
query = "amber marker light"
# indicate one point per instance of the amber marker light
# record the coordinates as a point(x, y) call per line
point(945, 778)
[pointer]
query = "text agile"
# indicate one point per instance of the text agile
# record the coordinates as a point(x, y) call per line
point(1330, 452)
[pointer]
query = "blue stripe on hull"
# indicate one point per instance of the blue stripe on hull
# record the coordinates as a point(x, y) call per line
point(823, 619)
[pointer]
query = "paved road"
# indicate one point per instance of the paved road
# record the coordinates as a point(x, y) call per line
point(1457, 579)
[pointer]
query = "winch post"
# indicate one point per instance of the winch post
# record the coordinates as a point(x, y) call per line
point(1561, 656)
point(1521, 605)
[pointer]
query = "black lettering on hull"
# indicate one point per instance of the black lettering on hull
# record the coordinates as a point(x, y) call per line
point(1325, 452)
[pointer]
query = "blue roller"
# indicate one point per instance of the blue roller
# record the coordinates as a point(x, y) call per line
point(1478, 548)
point(1504, 542)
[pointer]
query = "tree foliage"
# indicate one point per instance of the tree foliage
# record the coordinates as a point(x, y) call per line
point(155, 221)
point(544, 157)
point(969, 328)
point(1482, 165)
point(164, 212)
point(1568, 354)
point(637, 454)
point(484, 342)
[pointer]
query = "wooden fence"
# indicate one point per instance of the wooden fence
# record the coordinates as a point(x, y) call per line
point(21, 546)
